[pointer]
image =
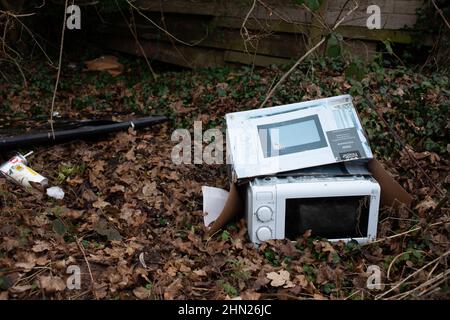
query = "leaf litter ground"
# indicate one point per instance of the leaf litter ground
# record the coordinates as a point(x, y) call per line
point(136, 217)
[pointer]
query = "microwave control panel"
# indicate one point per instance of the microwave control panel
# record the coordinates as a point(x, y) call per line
point(261, 210)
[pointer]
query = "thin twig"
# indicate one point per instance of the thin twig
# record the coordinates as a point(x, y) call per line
point(395, 259)
point(59, 71)
point(9, 13)
point(441, 13)
point(88, 266)
point(163, 21)
point(319, 18)
point(432, 270)
point(404, 233)
point(271, 92)
point(133, 32)
point(412, 275)
point(34, 38)
point(351, 295)
point(434, 286)
point(244, 31)
point(341, 11)
point(440, 204)
point(438, 279)
point(159, 27)
point(10, 56)
point(272, 10)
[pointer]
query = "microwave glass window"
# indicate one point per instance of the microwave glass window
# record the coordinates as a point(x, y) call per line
point(291, 136)
point(332, 218)
point(288, 135)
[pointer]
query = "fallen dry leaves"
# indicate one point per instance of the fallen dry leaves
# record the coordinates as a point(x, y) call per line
point(140, 221)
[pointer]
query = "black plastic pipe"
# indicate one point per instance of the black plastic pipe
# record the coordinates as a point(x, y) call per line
point(82, 132)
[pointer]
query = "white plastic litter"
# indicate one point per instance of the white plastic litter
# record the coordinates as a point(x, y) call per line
point(213, 202)
point(55, 192)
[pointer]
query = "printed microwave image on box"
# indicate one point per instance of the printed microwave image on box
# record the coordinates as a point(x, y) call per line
point(295, 136)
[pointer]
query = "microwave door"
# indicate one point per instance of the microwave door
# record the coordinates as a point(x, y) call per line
point(332, 215)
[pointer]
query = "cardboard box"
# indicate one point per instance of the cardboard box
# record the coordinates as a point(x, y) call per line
point(301, 135)
point(304, 135)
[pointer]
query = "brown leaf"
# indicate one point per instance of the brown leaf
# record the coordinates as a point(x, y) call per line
point(149, 189)
point(20, 289)
point(27, 266)
point(318, 296)
point(327, 247)
point(130, 156)
point(197, 94)
point(301, 280)
point(42, 261)
point(51, 284)
point(89, 195)
point(40, 246)
point(99, 167)
point(200, 273)
point(172, 290)
point(117, 188)
point(132, 216)
point(101, 290)
point(75, 181)
point(73, 214)
point(184, 268)
point(180, 109)
point(250, 295)
point(142, 293)
point(108, 64)
point(171, 271)
point(100, 204)
point(398, 92)
point(425, 205)
point(280, 278)
point(421, 155)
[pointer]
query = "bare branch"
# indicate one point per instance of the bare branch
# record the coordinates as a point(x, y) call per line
point(59, 72)
point(441, 13)
point(412, 275)
point(134, 33)
point(160, 28)
point(271, 92)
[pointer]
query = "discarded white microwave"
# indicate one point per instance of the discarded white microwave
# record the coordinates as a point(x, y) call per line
point(336, 208)
point(295, 136)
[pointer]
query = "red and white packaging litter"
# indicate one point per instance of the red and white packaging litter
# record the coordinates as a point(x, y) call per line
point(16, 169)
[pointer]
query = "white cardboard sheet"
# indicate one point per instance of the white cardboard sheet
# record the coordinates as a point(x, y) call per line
point(214, 200)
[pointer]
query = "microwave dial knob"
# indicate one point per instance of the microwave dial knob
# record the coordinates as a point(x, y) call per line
point(264, 214)
point(264, 233)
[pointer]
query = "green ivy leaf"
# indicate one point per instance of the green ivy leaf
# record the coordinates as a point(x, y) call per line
point(59, 227)
point(314, 5)
point(327, 288)
point(388, 46)
point(355, 71)
point(333, 47)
